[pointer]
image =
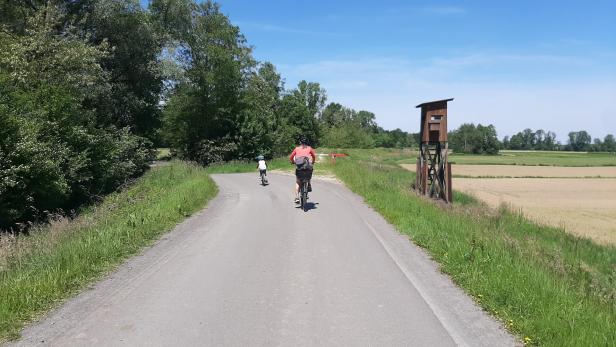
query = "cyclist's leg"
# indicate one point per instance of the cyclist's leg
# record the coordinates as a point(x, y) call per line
point(296, 188)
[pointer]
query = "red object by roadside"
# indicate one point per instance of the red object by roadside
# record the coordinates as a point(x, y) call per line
point(336, 155)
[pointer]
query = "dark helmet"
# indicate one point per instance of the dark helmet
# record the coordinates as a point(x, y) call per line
point(303, 140)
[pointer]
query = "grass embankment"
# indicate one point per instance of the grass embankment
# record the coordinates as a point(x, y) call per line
point(40, 270)
point(548, 287)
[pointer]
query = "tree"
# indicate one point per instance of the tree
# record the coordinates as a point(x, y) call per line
point(579, 141)
point(609, 144)
point(57, 152)
point(312, 95)
point(260, 125)
point(479, 139)
point(202, 116)
point(135, 74)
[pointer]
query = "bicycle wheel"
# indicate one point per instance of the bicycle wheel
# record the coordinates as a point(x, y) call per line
point(304, 197)
point(263, 182)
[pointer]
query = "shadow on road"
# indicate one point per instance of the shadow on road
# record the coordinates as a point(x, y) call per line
point(309, 206)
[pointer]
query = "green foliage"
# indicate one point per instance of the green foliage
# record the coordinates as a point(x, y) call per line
point(206, 107)
point(607, 145)
point(579, 141)
point(346, 127)
point(479, 139)
point(348, 136)
point(58, 148)
point(135, 75)
point(260, 125)
point(531, 140)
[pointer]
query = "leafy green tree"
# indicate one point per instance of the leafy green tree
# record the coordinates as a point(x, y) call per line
point(609, 144)
point(259, 124)
point(579, 141)
point(312, 95)
point(479, 139)
point(203, 113)
point(135, 74)
point(348, 136)
point(55, 152)
point(331, 114)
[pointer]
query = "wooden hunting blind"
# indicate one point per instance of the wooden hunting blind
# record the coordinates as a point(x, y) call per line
point(433, 173)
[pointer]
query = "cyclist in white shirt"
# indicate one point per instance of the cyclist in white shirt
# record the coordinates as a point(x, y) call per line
point(261, 166)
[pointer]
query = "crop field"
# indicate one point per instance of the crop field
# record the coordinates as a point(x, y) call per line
point(575, 197)
point(584, 207)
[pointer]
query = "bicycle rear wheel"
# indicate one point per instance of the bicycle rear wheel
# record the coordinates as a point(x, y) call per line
point(304, 196)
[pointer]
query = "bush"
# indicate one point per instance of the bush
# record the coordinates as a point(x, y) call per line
point(56, 149)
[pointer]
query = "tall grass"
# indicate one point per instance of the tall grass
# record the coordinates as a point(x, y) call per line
point(545, 285)
point(38, 271)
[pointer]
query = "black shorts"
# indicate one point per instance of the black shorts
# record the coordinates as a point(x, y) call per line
point(303, 175)
point(262, 172)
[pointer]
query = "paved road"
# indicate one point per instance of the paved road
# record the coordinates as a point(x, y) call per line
point(251, 269)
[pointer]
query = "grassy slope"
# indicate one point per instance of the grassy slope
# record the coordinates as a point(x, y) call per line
point(544, 284)
point(38, 271)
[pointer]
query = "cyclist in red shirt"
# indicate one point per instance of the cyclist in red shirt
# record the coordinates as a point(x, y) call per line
point(298, 156)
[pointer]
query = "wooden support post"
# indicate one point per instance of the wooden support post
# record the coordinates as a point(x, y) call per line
point(418, 174)
point(449, 186)
point(424, 179)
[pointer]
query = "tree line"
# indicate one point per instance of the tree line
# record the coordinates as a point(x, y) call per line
point(479, 139)
point(89, 88)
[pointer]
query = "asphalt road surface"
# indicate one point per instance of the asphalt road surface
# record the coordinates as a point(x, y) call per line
point(254, 270)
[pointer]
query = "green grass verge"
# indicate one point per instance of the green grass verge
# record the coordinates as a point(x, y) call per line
point(55, 261)
point(546, 286)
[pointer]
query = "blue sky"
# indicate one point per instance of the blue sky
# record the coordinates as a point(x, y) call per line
point(515, 64)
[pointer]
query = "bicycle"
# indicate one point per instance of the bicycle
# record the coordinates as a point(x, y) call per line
point(303, 196)
point(304, 177)
point(263, 178)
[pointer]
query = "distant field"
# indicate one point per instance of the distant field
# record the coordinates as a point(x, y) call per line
point(537, 158)
point(527, 171)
